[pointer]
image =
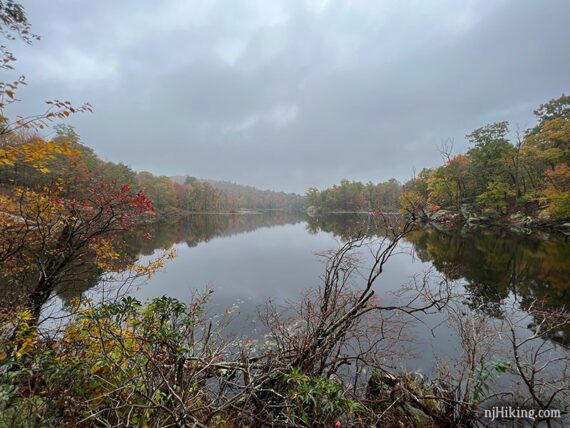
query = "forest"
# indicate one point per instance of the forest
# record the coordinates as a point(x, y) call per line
point(75, 231)
point(239, 196)
point(169, 195)
point(503, 173)
point(353, 196)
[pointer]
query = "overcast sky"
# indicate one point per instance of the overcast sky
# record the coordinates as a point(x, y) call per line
point(289, 94)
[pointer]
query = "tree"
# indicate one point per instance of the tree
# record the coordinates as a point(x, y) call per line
point(552, 134)
point(355, 196)
point(450, 184)
point(413, 204)
point(55, 230)
point(50, 225)
point(496, 196)
point(505, 176)
point(490, 154)
point(312, 197)
point(554, 109)
point(558, 191)
point(20, 146)
point(13, 23)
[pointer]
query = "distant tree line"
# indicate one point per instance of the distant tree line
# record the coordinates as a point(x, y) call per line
point(239, 196)
point(323, 361)
point(501, 173)
point(355, 196)
point(167, 194)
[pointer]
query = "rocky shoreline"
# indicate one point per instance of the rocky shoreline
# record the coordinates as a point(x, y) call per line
point(516, 221)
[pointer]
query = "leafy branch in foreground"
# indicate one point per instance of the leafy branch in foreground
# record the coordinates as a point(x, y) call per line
point(324, 360)
point(168, 364)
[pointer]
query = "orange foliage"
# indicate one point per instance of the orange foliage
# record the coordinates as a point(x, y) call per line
point(559, 177)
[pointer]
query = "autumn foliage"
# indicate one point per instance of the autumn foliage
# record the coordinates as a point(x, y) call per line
point(499, 175)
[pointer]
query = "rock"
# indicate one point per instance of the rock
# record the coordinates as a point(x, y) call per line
point(477, 220)
point(465, 211)
point(543, 215)
point(521, 230)
point(312, 211)
point(565, 228)
point(418, 417)
point(438, 215)
point(404, 390)
point(444, 216)
point(519, 220)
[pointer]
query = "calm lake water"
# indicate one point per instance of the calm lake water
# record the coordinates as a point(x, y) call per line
point(248, 259)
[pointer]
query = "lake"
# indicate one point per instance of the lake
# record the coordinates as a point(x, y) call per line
point(248, 259)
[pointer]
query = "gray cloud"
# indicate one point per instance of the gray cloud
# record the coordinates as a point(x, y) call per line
point(288, 94)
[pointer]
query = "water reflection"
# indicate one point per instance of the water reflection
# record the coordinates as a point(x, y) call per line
point(493, 264)
point(187, 232)
point(279, 262)
point(195, 229)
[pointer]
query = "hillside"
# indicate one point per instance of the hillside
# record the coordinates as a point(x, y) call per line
point(249, 197)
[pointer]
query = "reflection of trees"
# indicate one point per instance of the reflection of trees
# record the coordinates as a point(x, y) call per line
point(347, 226)
point(148, 238)
point(493, 263)
point(483, 263)
point(497, 263)
point(340, 225)
point(81, 275)
point(198, 228)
